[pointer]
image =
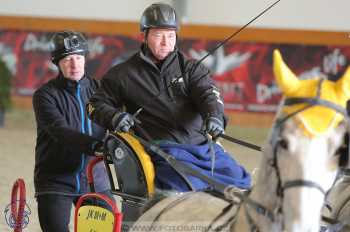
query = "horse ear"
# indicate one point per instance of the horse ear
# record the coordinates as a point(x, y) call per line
point(343, 84)
point(285, 78)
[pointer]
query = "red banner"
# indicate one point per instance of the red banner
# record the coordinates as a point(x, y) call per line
point(242, 70)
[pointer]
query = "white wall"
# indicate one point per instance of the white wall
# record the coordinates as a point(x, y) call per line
point(330, 15)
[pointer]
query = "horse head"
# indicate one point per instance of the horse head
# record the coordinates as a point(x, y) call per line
point(303, 145)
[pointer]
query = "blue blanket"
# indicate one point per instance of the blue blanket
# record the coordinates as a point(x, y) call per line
point(227, 170)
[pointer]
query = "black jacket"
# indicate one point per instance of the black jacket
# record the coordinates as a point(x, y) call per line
point(63, 137)
point(170, 110)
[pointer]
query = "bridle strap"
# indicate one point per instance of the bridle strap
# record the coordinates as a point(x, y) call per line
point(231, 193)
point(315, 102)
point(303, 183)
point(311, 101)
point(259, 209)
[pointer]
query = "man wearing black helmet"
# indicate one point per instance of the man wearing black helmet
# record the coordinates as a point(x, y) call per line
point(66, 138)
point(179, 101)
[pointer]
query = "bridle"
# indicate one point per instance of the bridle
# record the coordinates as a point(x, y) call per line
point(275, 142)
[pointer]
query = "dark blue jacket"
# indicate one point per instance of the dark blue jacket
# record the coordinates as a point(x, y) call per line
point(65, 137)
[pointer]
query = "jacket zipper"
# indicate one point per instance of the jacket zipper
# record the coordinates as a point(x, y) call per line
point(82, 130)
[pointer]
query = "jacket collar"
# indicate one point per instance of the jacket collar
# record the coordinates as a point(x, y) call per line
point(69, 84)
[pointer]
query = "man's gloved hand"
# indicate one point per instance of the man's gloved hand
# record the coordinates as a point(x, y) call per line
point(97, 148)
point(213, 126)
point(122, 122)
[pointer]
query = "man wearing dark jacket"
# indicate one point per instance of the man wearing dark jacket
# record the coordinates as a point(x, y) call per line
point(179, 101)
point(66, 138)
point(172, 109)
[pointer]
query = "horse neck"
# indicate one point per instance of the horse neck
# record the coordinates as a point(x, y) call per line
point(265, 193)
point(265, 189)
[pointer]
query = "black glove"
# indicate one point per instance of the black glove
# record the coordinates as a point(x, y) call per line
point(213, 126)
point(97, 148)
point(122, 122)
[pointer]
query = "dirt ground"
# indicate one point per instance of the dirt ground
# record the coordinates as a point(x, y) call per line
point(17, 142)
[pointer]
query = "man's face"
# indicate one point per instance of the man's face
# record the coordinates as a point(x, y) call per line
point(72, 67)
point(161, 42)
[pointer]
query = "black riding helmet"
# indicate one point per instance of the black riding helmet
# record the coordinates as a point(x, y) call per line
point(66, 43)
point(159, 15)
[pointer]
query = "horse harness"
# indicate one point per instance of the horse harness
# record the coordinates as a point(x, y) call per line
point(275, 142)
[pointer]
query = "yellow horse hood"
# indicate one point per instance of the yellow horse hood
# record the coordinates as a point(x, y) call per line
point(317, 119)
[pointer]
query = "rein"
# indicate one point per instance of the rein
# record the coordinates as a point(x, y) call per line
point(182, 168)
point(240, 142)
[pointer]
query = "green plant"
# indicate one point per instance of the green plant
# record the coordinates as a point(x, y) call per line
point(5, 86)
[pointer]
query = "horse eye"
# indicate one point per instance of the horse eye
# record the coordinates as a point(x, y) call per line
point(283, 144)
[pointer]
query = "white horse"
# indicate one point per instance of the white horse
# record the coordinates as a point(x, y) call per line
point(298, 166)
